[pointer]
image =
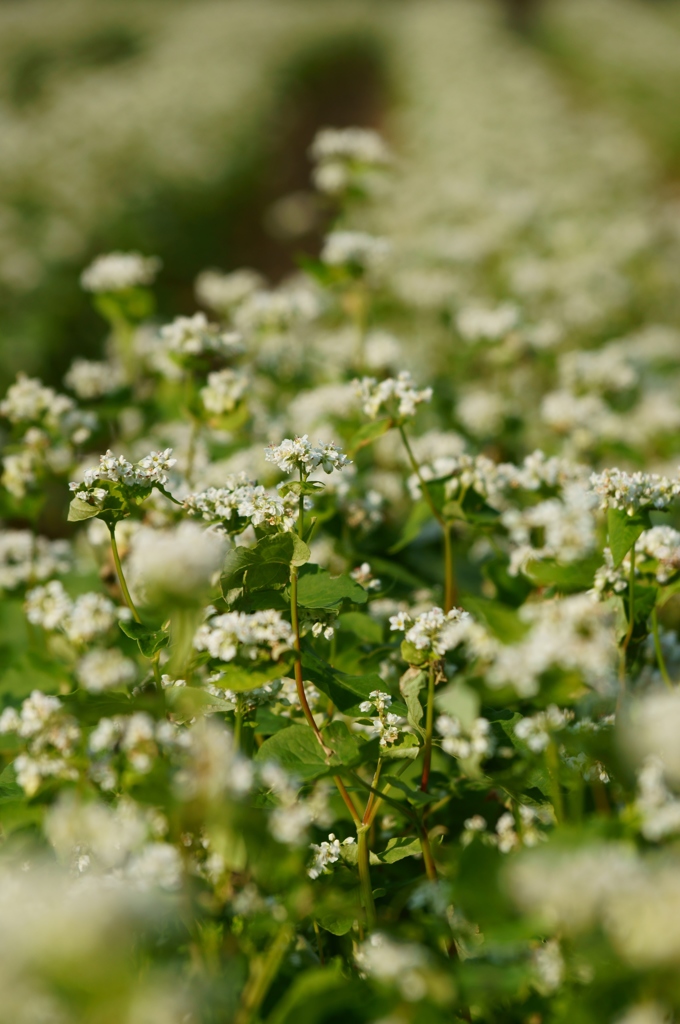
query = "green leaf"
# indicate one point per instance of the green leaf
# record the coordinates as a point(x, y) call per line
point(504, 622)
point(266, 576)
point(148, 640)
point(33, 671)
point(321, 590)
point(410, 684)
point(80, 509)
point(280, 549)
point(338, 923)
point(412, 654)
point(301, 487)
point(369, 433)
point(406, 747)
point(300, 752)
point(362, 626)
point(420, 514)
point(301, 552)
point(399, 848)
point(624, 530)
point(189, 701)
point(243, 678)
point(568, 578)
point(461, 701)
point(346, 691)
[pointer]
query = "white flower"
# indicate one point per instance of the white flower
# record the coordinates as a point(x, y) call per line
point(354, 248)
point(222, 292)
point(300, 453)
point(176, 564)
point(629, 492)
point(29, 401)
point(195, 336)
point(260, 634)
point(240, 501)
point(536, 730)
point(118, 271)
point(90, 379)
point(433, 630)
point(479, 323)
point(396, 395)
point(224, 390)
point(476, 742)
point(103, 669)
point(324, 854)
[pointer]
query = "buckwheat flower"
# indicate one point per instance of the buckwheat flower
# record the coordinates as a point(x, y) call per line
point(320, 627)
point(354, 248)
point(363, 576)
point(472, 827)
point(89, 379)
point(222, 292)
point(29, 401)
point(536, 730)
point(196, 336)
point(324, 854)
point(479, 323)
point(223, 392)
point(48, 606)
point(119, 271)
point(51, 737)
point(360, 145)
point(434, 631)
point(105, 669)
point(506, 837)
point(396, 396)
point(299, 453)
point(156, 864)
point(377, 700)
point(476, 742)
point(548, 965)
point(630, 492)
point(262, 635)
point(397, 963)
point(178, 564)
point(401, 621)
point(90, 616)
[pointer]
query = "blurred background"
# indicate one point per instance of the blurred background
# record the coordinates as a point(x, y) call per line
point(181, 127)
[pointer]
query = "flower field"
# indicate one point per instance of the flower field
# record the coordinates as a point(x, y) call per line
point(341, 666)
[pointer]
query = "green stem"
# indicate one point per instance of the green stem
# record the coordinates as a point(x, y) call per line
point(416, 469)
point(552, 761)
point(365, 876)
point(449, 582)
point(368, 813)
point(428, 859)
point(659, 651)
point(238, 721)
point(119, 569)
point(631, 619)
point(429, 729)
point(263, 971)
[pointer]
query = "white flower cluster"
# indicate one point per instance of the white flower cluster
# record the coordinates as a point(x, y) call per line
point(90, 379)
point(659, 546)
point(356, 249)
point(299, 453)
point(386, 725)
point(89, 616)
point(29, 401)
point(506, 837)
point(179, 564)
point(573, 633)
point(433, 631)
point(241, 499)
point(565, 524)
point(630, 492)
point(475, 742)
point(135, 739)
point(27, 558)
point(105, 669)
point(365, 578)
point(402, 964)
point(223, 392)
point(395, 395)
point(152, 469)
point(657, 806)
point(480, 323)
point(536, 730)
point(52, 736)
point(326, 853)
point(222, 292)
point(278, 311)
point(261, 635)
point(343, 156)
point(196, 336)
point(119, 271)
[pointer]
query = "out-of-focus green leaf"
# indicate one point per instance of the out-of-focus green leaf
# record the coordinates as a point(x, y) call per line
point(321, 590)
point(624, 530)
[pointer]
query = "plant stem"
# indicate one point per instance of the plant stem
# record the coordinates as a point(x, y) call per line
point(263, 971)
point(429, 728)
point(631, 619)
point(553, 765)
point(368, 813)
point(119, 569)
point(659, 651)
point(238, 721)
point(365, 875)
point(416, 469)
point(428, 859)
point(449, 582)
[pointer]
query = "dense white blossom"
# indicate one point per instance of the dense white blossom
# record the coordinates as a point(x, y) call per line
point(177, 564)
point(354, 249)
point(105, 669)
point(630, 492)
point(254, 636)
point(224, 390)
point(195, 336)
point(396, 395)
point(300, 454)
point(26, 558)
point(222, 292)
point(434, 632)
point(89, 379)
point(119, 271)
